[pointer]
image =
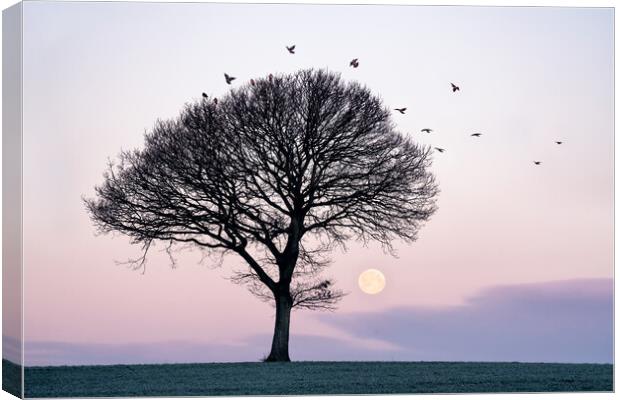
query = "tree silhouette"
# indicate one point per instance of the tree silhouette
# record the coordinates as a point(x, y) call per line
point(277, 172)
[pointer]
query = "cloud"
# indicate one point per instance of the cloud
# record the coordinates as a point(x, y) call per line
point(562, 321)
point(302, 347)
point(63, 353)
point(11, 349)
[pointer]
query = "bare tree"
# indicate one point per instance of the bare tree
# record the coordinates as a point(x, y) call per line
point(277, 172)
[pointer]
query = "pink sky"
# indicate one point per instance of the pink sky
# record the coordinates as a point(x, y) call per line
point(97, 75)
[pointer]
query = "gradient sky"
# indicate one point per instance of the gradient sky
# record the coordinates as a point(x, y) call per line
point(97, 75)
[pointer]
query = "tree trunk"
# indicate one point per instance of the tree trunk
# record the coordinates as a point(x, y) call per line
point(279, 345)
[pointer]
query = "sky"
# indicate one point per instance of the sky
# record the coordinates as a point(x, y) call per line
point(516, 265)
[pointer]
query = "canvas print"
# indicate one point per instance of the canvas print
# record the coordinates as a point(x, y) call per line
point(205, 199)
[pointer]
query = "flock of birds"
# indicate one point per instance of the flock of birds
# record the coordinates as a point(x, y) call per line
point(355, 64)
point(455, 88)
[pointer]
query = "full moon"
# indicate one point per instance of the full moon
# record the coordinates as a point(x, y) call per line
point(371, 281)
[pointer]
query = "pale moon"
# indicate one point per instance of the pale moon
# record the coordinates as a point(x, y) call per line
point(371, 281)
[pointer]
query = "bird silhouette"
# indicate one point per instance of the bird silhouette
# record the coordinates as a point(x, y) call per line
point(229, 78)
point(270, 77)
point(354, 63)
point(454, 87)
point(559, 142)
point(439, 149)
point(537, 162)
point(291, 49)
point(215, 100)
point(427, 130)
point(401, 110)
point(476, 134)
point(204, 95)
point(252, 82)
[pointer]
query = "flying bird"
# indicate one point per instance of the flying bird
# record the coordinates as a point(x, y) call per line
point(427, 130)
point(229, 78)
point(537, 162)
point(476, 134)
point(291, 49)
point(559, 142)
point(454, 87)
point(401, 110)
point(204, 95)
point(439, 149)
point(354, 63)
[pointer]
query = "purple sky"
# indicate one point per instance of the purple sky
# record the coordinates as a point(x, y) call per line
point(562, 321)
point(516, 264)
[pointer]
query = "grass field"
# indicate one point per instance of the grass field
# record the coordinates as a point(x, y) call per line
point(11, 378)
point(299, 378)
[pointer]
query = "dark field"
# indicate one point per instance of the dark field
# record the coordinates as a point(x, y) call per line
point(11, 378)
point(299, 378)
